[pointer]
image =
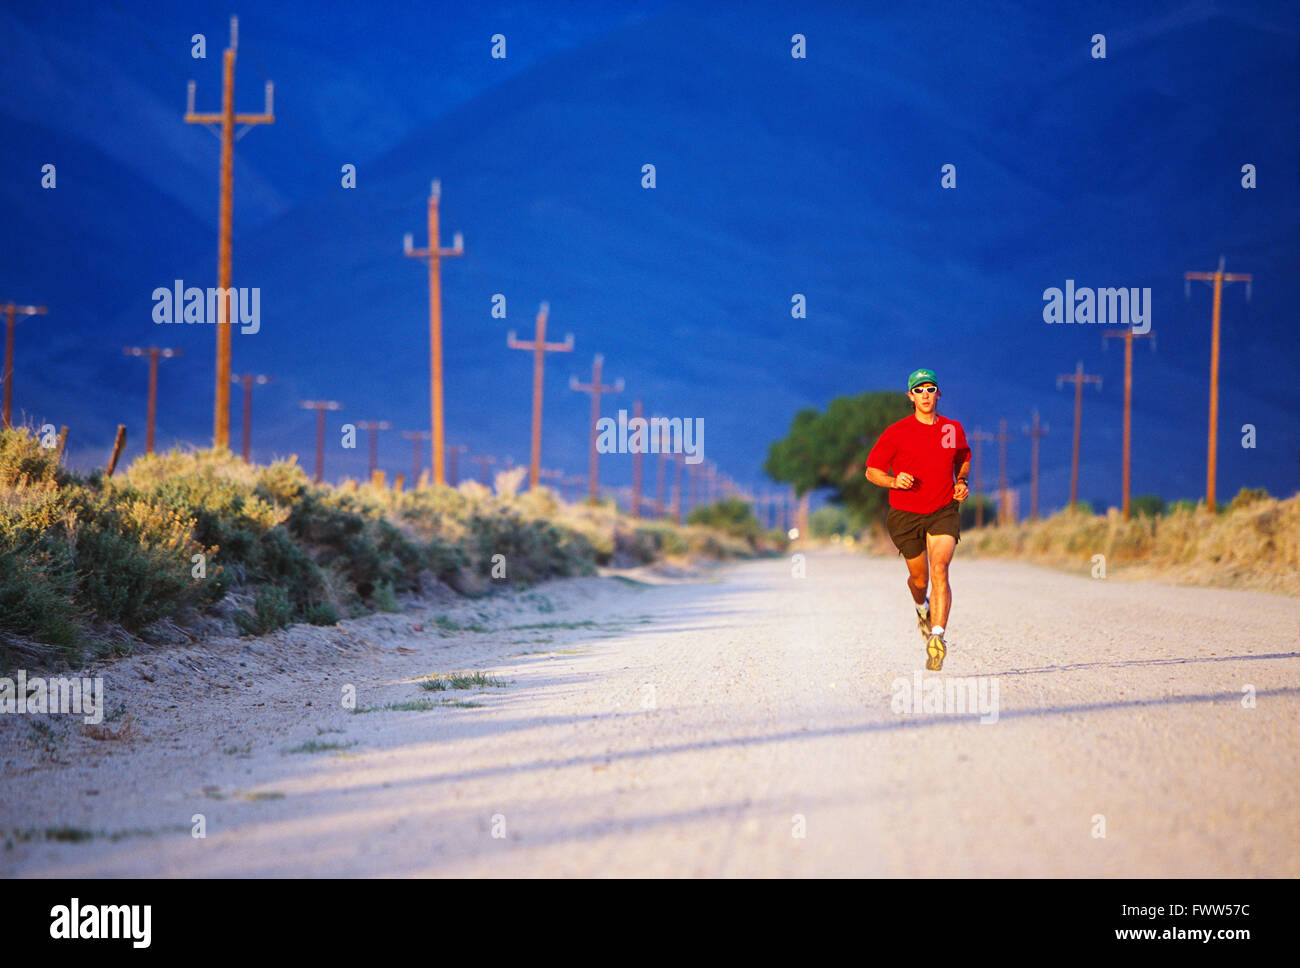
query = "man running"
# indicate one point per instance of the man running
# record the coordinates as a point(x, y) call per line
point(916, 459)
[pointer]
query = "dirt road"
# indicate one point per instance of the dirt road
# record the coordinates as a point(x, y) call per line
point(752, 723)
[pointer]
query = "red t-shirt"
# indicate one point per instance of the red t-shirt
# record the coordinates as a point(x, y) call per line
point(931, 453)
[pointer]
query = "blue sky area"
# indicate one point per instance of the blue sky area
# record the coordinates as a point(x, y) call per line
point(775, 176)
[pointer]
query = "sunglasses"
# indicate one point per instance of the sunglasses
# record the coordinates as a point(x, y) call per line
point(929, 389)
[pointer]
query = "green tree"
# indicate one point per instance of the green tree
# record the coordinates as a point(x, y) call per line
point(828, 521)
point(829, 450)
point(968, 508)
point(1148, 505)
point(731, 514)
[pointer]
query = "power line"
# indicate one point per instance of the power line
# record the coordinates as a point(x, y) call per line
point(540, 348)
point(1127, 336)
point(320, 406)
point(1218, 278)
point(595, 388)
point(434, 254)
point(11, 309)
point(154, 353)
point(1035, 433)
point(247, 381)
point(227, 119)
point(1078, 378)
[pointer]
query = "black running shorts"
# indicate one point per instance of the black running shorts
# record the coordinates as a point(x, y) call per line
point(908, 529)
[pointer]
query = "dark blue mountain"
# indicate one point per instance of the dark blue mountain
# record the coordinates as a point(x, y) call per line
point(775, 176)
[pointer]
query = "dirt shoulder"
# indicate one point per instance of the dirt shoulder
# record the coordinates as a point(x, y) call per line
point(200, 722)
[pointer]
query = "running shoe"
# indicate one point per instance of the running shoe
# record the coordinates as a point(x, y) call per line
point(923, 623)
point(935, 652)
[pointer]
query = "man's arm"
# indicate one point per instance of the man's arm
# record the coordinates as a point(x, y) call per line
point(881, 478)
point(960, 490)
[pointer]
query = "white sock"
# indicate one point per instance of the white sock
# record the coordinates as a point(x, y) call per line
point(923, 607)
point(936, 630)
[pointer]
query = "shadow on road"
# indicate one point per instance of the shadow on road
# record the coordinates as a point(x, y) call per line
point(1128, 663)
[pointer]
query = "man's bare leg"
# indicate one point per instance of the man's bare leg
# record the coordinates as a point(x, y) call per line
point(918, 577)
point(940, 549)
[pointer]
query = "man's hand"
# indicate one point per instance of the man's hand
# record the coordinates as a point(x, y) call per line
point(903, 481)
point(960, 491)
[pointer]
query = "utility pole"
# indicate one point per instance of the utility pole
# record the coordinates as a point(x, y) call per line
point(320, 406)
point(371, 427)
point(660, 506)
point(595, 388)
point(153, 353)
point(11, 310)
point(415, 436)
point(484, 461)
point(1004, 501)
point(1127, 336)
point(540, 348)
point(979, 436)
point(1078, 378)
point(434, 254)
point(119, 444)
point(1218, 277)
point(227, 119)
point(247, 380)
point(636, 465)
point(1035, 432)
point(453, 459)
point(679, 460)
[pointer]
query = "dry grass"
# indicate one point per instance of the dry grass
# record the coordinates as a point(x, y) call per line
point(83, 558)
point(1255, 543)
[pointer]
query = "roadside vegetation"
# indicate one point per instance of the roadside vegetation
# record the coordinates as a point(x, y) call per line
point(735, 517)
point(1254, 541)
point(89, 563)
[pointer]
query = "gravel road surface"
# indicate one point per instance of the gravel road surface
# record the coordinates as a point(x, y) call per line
point(748, 723)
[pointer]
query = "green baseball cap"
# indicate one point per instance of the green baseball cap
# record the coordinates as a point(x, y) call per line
point(919, 377)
